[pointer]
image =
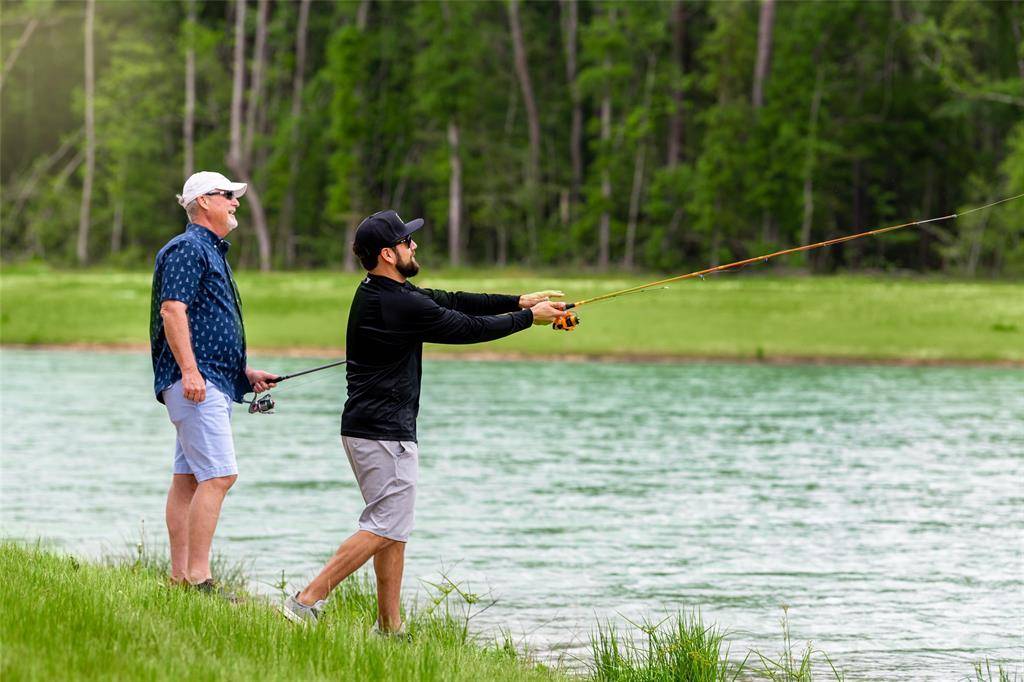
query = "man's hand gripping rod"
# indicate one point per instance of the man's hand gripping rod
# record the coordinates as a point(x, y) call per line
point(265, 404)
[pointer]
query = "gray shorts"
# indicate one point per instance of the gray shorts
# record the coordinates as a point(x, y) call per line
point(204, 447)
point(387, 472)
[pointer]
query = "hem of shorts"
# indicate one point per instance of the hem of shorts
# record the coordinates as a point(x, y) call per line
point(215, 472)
point(384, 535)
point(379, 436)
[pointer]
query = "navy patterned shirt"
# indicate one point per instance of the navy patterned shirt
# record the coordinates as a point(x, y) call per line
point(192, 268)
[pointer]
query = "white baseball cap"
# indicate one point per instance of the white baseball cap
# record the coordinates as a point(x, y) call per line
point(205, 182)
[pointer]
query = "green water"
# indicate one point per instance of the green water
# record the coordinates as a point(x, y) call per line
point(883, 505)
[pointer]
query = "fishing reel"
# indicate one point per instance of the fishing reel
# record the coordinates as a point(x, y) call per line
point(567, 322)
point(263, 404)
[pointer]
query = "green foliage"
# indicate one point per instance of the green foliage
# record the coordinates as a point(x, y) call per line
point(873, 114)
point(678, 648)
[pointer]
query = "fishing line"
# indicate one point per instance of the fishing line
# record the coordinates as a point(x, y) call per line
point(571, 320)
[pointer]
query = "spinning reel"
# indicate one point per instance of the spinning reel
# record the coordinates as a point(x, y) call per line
point(262, 404)
point(567, 323)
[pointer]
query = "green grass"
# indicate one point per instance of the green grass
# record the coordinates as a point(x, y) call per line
point(679, 648)
point(66, 619)
point(62, 618)
point(744, 316)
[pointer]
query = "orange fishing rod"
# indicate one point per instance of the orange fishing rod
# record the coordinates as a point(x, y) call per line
point(570, 321)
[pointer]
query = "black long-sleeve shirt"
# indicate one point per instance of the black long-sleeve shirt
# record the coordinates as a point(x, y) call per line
point(387, 325)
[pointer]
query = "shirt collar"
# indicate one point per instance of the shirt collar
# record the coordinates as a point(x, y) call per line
point(381, 279)
point(206, 233)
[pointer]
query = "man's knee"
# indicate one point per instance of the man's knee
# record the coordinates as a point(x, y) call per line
point(221, 483)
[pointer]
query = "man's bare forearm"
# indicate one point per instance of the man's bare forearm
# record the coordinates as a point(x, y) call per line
point(178, 337)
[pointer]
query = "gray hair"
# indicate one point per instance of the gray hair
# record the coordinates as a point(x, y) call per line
point(191, 208)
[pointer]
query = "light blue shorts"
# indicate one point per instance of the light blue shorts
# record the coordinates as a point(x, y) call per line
point(205, 448)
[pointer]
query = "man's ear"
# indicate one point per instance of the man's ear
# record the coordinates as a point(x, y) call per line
point(388, 255)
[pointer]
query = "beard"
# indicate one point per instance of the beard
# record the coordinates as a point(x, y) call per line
point(232, 222)
point(409, 268)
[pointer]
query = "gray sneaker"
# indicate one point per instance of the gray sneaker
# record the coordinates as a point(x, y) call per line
point(298, 612)
point(399, 635)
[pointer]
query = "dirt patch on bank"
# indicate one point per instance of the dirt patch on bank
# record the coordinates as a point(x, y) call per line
point(505, 356)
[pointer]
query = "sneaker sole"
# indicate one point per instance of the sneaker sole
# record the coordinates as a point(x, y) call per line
point(293, 617)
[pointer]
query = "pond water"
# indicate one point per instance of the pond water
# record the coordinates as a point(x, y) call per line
point(883, 505)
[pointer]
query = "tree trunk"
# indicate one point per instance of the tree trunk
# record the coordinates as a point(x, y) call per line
point(235, 150)
point(41, 170)
point(454, 196)
point(716, 235)
point(188, 125)
point(354, 218)
point(812, 140)
point(117, 231)
point(604, 230)
point(533, 121)
point(764, 51)
point(675, 121)
point(977, 240)
point(634, 204)
point(639, 167)
point(26, 33)
point(570, 15)
point(84, 213)
point(287, 234)
point(764, 57)
point(56, 186)
point(259, 223)
point(238, 159)
point(849, 252)
point(1018, 40)
point(502, 245)
point(256, 85)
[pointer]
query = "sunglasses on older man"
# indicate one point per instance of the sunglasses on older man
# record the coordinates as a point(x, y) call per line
point(226, 193)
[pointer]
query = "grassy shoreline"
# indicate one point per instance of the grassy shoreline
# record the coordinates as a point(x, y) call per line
point(69, 619)
point(512, 356)
point(63, 618)
point(888, 319)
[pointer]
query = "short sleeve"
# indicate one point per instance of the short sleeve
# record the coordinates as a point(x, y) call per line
point(182, 269)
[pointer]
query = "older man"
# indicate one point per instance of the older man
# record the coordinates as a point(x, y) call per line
point(388, 323)
point(199, 366)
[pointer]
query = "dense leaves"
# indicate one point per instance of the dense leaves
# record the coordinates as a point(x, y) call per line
point(867, 114)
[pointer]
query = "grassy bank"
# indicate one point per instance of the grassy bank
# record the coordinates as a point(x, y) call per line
point(65, 619)
point(62, 618)
point(730, 316)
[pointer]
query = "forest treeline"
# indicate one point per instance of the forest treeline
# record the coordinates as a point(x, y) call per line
point(597, 135)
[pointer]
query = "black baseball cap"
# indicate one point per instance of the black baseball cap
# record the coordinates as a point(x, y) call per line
point(383, 229)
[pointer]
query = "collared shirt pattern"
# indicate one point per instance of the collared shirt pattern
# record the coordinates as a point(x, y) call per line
point(193, 268)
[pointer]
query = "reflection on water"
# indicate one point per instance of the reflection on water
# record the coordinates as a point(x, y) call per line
point(884, 505)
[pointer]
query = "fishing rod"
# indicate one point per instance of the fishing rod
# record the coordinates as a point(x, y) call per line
point(264, 404)
point(571, 320)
